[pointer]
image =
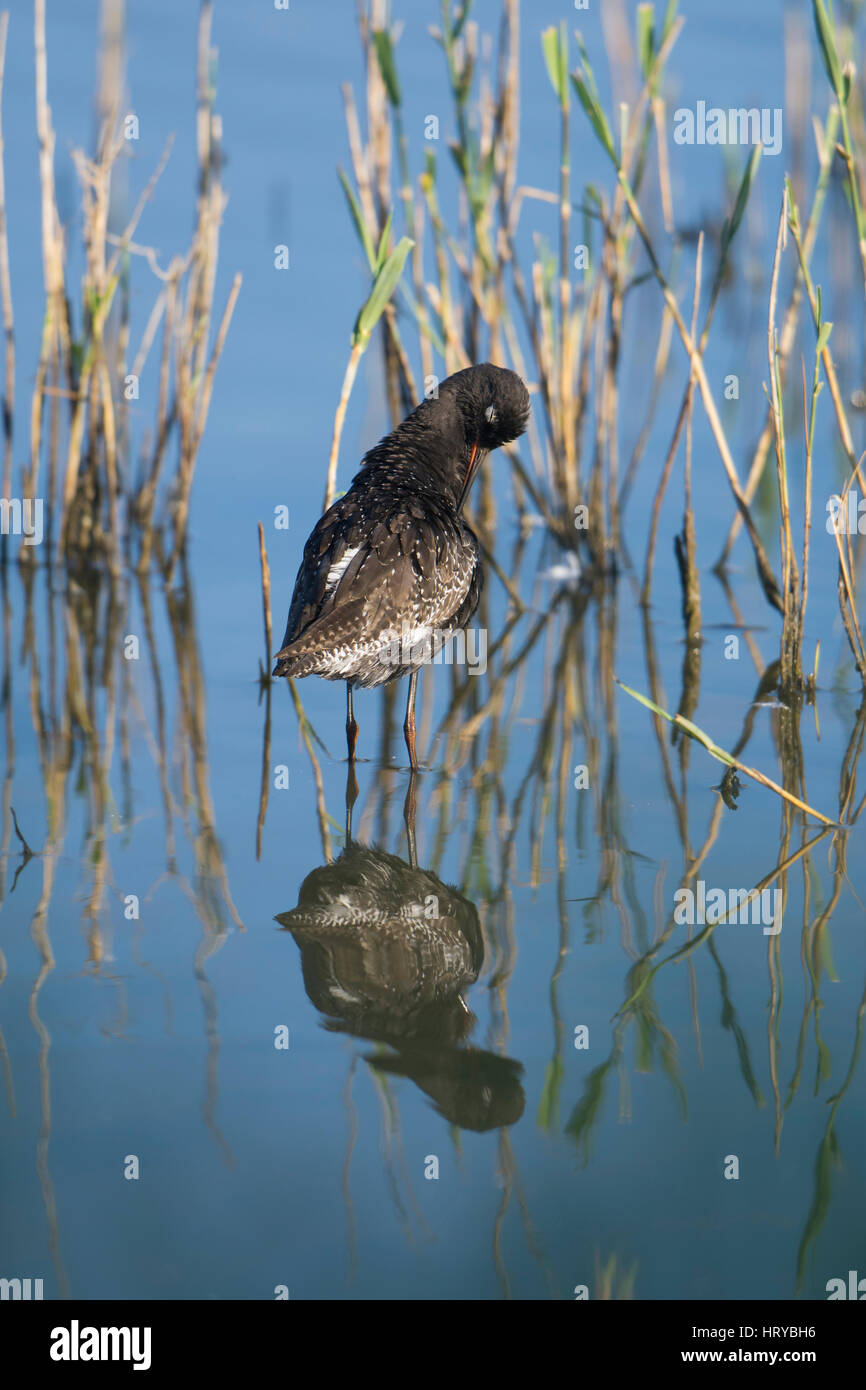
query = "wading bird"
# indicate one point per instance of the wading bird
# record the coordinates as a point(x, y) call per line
point(391, 571)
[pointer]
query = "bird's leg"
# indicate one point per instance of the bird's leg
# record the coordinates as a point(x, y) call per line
point(409, 819)
point(351, 726)
point(351, 798)
point(409, 722)
point(351, 739)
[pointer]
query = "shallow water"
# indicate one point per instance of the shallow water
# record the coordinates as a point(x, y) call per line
point(461, 1109)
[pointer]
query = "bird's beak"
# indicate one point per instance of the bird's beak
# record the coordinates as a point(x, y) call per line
point(476, 458)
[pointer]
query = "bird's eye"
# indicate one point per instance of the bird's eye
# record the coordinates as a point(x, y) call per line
point(490, 414)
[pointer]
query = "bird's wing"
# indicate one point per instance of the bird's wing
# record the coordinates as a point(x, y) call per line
point(335, 533)
point(360, 575)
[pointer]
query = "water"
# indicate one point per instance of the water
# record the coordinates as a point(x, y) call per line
point(154, 1038)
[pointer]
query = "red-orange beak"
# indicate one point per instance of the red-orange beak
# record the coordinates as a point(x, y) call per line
point(475, 460)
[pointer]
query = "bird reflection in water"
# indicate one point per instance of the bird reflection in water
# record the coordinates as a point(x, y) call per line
point(387, 950)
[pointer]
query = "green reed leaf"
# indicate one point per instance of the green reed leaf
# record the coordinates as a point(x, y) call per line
point(358, 219)
point(382, 253)
point(597, 119)
point(729, 230)
point(387, 65)
point(645, 37)
point(383, 287)
point(554, 42)
point(829, 51)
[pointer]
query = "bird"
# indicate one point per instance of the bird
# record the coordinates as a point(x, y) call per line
point(391, 571)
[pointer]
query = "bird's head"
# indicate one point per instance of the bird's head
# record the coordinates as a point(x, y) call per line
point(493, 407)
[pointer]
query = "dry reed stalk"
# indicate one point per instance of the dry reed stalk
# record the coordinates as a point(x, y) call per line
point(55, 347)
point(339, 419)
point(265, 681)
point(265, 784)
point(686, 544)
point(789, 326)
point(306, 732)
point(6, 291)
point(685, 407)
point(808, 432)
point(660, 367)
point(848, 610)
point(826, 355)
point(565, 395)
point(199, 422)
point(768, 579)
point(359, 158)
point(110, 438)
point(165, 417)
point(846, 577)
point(85, 531)
point(658, 110)
point(193, 382)
point(792, 637)
point(266, 603)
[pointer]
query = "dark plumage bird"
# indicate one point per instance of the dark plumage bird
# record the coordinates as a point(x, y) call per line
point(387, 950)
point(391, 571)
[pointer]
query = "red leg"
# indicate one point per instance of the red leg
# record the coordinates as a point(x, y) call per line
point(409, 723)
point(351, 726)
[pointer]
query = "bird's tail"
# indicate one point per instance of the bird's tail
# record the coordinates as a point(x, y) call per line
point(291, 662)
point(311, 653)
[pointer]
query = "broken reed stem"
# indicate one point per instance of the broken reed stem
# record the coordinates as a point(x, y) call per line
point(266, 603)
point(722, 756)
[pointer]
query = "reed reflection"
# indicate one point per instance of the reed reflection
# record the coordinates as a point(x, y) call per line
point(93, 713)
